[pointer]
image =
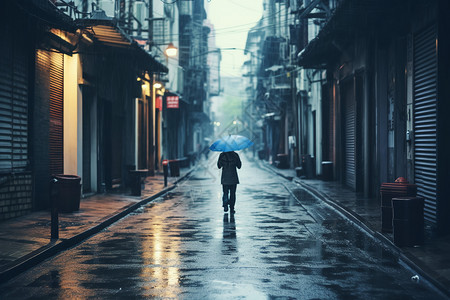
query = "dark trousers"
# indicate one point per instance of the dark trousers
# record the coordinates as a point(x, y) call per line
point(231, 198)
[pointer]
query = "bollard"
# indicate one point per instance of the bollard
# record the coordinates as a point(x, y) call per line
point(165, 164)
point(54, 212)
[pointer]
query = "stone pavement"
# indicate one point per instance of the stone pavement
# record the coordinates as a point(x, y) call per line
point(431, 260)
point(25, 241)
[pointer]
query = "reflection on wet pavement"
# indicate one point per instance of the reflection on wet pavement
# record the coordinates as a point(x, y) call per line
point(184, 246)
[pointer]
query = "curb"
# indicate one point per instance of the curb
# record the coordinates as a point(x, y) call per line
point(387, 244)
point(359, 221)
point(54, 247)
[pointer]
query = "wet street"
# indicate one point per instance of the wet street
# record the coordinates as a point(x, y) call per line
point(282, 243)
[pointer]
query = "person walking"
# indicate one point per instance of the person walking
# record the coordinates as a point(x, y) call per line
point(229, 161)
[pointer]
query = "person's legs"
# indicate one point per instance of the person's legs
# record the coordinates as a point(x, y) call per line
point(225, 202)
point(232, 196)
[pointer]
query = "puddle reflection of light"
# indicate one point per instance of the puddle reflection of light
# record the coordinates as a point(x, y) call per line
point(71, 280)
point(160, 270)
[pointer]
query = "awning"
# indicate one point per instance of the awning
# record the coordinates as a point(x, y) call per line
point(352, 18)
point(53, 29)
point(107, 32)
point(45, 11)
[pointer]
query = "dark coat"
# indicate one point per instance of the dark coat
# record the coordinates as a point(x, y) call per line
point(229, 161)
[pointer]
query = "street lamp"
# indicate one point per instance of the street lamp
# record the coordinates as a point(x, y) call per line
point(171, 50)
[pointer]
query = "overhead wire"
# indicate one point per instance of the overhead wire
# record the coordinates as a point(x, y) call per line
point(245, 24)
point(169, 2)
point(244, 27)
point(235, 30)
point(215, 34)
point(240, 5)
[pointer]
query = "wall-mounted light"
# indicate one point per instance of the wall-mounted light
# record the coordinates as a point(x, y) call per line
point(87, 38)
point(171, 50)
point(157, 85)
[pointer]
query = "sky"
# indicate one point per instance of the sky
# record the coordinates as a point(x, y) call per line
point(232, 19)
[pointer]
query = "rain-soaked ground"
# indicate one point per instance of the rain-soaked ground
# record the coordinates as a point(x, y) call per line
point(184, 246)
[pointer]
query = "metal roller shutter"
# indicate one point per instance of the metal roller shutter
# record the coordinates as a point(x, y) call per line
point(425, 100)
point(349, 127)
point(13, 103)
point(56, 112)
point(50, 69)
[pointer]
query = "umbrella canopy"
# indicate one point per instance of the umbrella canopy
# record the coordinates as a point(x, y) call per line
point(231, 143)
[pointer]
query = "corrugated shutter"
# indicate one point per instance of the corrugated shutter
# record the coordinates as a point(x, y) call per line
point(425, 100)
point(349, 126)
point(13, 103)
point(50, 74)
point(56, 113)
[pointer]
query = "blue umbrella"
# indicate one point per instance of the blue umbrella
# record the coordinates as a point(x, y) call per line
point(231, 143)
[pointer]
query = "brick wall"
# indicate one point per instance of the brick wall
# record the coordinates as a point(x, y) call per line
point(15, 196)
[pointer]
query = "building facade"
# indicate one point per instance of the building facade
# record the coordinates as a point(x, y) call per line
point(85, 90)
point(367, 95)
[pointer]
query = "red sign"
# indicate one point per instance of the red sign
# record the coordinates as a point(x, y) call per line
point(172, 102)
point(158, 103)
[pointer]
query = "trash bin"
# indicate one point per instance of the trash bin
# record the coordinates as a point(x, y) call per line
point(308, 164)
point(174, 166)
point(184, 162)
point(129, 177)
point(401, 188)
point(299, 171)
point(262, 154)
point(136, 181)
point(67, 192)
point(327, 170)
point(283, 161)
point(408, 221)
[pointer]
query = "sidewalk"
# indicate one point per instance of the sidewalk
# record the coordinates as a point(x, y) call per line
point(25, 241)
point(430, 260)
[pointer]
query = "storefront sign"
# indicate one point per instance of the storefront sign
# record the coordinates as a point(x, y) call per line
point(172, 101)
point(158, 103)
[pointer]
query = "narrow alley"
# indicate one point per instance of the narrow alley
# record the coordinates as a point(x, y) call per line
point(183, 246)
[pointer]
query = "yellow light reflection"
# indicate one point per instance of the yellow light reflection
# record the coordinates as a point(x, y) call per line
point(161, 261)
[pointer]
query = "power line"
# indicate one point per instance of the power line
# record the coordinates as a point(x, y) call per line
point(242, 25)
point(169, 2)
point(238, 4)
point(216, 34)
